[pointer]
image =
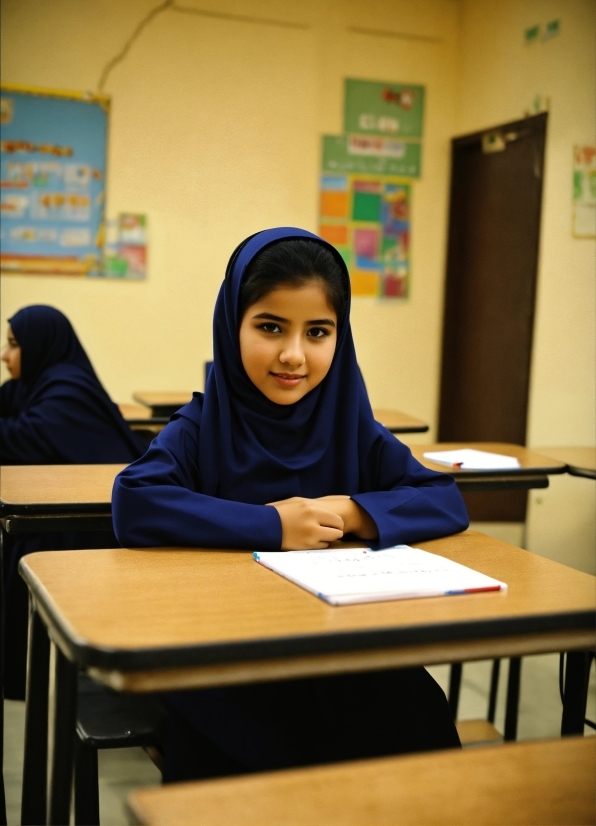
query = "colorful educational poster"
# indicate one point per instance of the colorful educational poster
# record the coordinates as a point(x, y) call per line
point(378, 108)
point(125, 252)
point(52, 171)
point(584, 191)
point(367, 218)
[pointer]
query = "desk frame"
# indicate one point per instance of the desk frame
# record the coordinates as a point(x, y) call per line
point(202, 665)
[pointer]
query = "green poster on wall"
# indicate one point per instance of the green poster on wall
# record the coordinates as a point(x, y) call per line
point(376, 108)
point(372, 155)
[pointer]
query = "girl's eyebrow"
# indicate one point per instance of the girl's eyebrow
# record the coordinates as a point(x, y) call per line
point(271, 317)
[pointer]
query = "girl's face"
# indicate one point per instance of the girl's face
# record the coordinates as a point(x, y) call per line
point(287, 341)
point(11, 354)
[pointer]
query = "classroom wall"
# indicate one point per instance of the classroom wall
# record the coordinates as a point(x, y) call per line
point(500, 78)
point(215, 133)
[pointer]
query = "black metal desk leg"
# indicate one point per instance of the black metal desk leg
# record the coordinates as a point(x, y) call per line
point(512, 707)
point(454, 687)
point(577, 672)
point(33, 800)
point(63, 722)
point(494, 688)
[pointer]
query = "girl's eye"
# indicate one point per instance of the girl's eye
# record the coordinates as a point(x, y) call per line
point(318, 332)
point(270, 327)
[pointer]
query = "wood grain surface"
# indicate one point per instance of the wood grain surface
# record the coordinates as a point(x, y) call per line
point(155, 398)
point(170, 598)
point(79, 485)
point(580, 460)
point(134, 411)
point(373, 659)
point(477, 731)
point(399, 422)
point(402, 422)
point(530, 460)
point(550, 782)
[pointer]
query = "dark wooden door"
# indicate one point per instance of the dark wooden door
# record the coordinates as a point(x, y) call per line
point(494, 226)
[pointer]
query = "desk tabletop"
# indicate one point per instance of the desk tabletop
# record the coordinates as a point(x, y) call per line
point(157, 398)
point(550, 782)
point(580, 461)
point(394, 420)
point(134, 411)
point(137, 609)
point(397, 422)
point(41, 489)
point(531, 462)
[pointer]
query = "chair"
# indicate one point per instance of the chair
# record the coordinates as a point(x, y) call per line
point(106, 720)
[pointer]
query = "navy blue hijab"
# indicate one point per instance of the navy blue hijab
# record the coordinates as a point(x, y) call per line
point(58, 411)
point(46, 338)
point(255, 451)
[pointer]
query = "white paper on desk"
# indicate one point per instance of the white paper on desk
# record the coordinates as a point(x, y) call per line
point(361, 575)
point(469, 459)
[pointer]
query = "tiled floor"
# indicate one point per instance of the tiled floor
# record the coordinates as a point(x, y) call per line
point(122, 770)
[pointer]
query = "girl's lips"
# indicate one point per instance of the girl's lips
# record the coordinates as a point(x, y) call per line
point(287, 379)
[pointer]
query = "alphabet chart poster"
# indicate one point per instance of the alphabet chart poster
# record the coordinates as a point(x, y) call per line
point(53, 180)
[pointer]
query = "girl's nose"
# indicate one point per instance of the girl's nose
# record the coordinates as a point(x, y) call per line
point(292, 354)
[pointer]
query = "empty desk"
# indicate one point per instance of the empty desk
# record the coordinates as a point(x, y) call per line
point(56, 497)
point(580, 461)
point(166, 404)
point(553, 782)
point(397, 422)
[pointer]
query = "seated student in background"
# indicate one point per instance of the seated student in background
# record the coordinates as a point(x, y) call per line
point(282, 452)
point(53, 410)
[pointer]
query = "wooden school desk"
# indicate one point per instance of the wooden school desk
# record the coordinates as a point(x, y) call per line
point(580, 461)
point(160, 619)
point(534, 470)
point(166, 404)
point(162, 403)
point(397, 422)
point(139, 417)
point(550, 782)
point(533, 473)
point(56, 497)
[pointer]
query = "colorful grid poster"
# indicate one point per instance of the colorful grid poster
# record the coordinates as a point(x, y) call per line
point(367, 218)
point(53, 168)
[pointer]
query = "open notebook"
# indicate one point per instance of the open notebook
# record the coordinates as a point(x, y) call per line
point(361, 575)
point(468, 458)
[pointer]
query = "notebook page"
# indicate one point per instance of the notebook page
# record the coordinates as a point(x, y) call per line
point(341, 577)
point(470, 459)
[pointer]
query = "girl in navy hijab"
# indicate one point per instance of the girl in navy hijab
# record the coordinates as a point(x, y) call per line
point(282, 452)
point(53, 410)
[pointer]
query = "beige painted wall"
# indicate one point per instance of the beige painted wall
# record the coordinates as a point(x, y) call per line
point(215, 133)
point(499, 79)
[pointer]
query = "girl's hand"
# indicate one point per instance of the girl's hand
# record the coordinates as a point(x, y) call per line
point(307, 524)
point(356, 520)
